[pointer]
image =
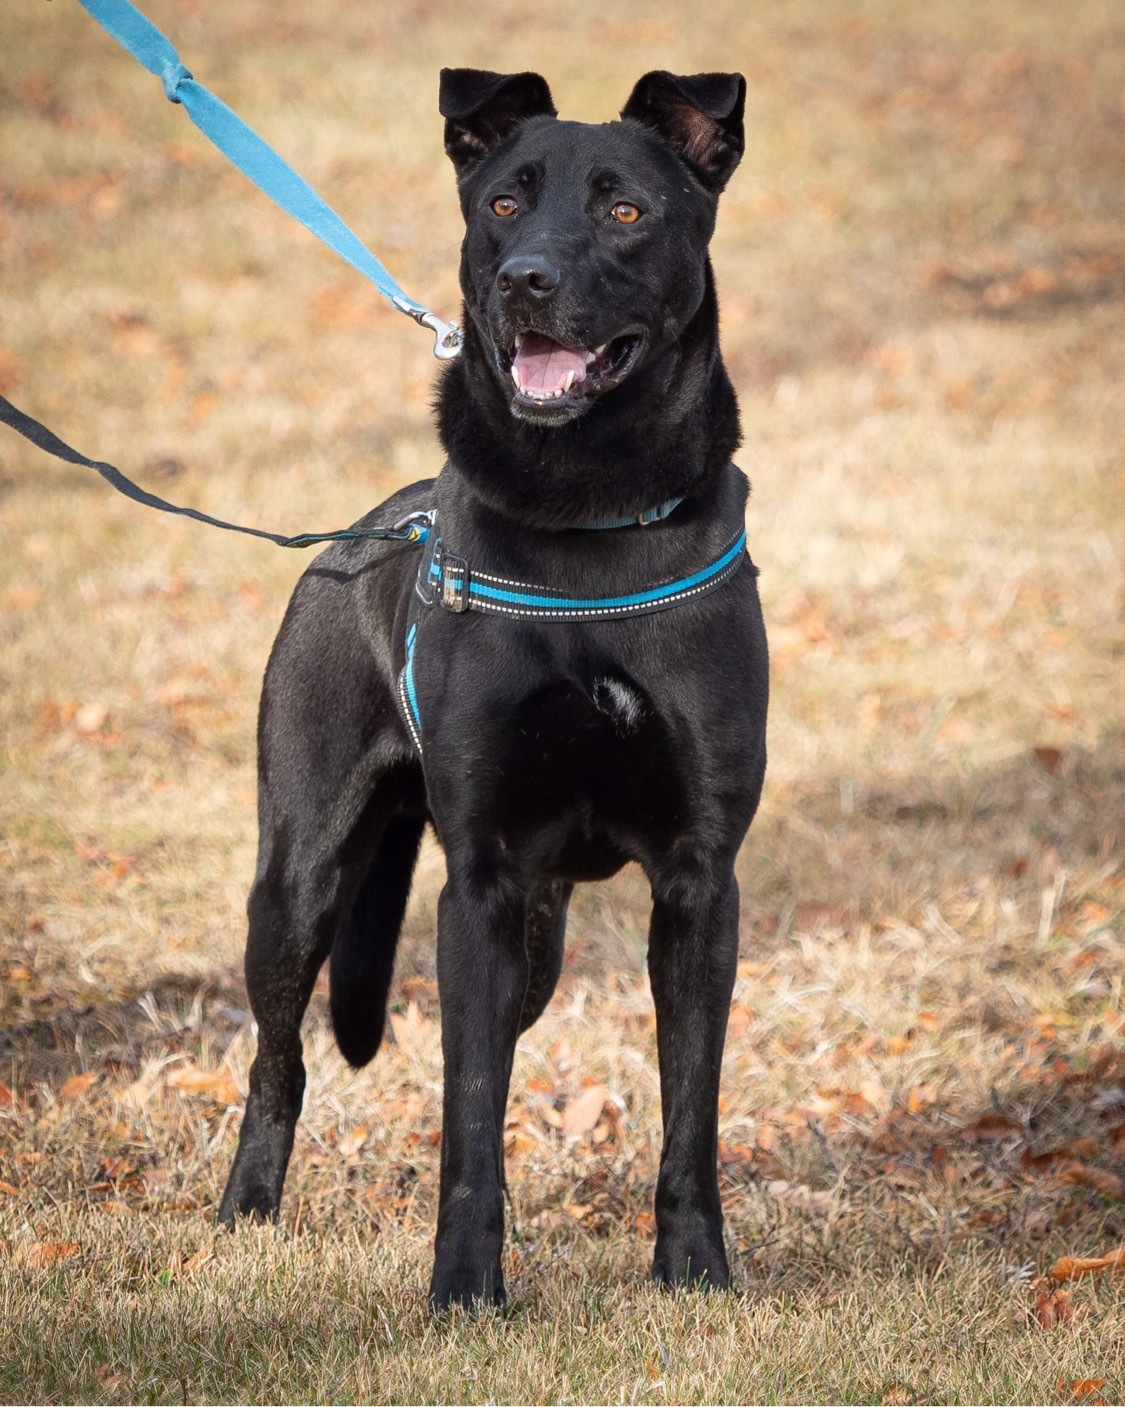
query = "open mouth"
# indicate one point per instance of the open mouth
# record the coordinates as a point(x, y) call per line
point(550, 377)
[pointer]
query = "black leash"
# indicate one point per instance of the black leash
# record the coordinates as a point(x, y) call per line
point(413, 528)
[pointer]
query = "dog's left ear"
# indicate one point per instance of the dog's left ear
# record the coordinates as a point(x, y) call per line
point(700, 117)
point(483, 109)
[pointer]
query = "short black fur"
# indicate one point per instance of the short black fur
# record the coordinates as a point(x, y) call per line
point(591, 387)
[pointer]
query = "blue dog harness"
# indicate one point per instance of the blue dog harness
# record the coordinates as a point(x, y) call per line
point(448, 582)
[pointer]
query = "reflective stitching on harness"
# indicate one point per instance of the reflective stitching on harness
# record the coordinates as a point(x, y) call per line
point(532, 600)
point(604, 612)
point(407, 693)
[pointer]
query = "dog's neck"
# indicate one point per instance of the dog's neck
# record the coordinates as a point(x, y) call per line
point(664, 433)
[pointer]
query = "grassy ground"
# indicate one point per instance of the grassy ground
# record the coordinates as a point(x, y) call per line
point(923, 270)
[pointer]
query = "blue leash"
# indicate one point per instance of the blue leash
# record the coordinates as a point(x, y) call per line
point(257, 160)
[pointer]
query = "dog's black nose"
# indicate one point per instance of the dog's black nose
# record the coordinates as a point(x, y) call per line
point(528, 276)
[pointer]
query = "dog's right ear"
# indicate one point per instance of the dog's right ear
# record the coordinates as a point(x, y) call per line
point(483, 109)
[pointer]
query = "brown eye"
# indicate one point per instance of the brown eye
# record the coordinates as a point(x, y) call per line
point(504, 206)
point(625, 213)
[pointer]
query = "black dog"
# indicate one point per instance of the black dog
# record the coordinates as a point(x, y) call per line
point(554, 699)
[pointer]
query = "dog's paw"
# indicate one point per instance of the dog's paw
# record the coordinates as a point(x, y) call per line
point(248, 1198)
point(467, 1286)
point(697, 1264)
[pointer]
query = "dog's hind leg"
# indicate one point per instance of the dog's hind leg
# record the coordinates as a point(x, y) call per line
point(310, 874)
point(544, 935)
point(341, 800)
point(290, 934)
point(363, 951)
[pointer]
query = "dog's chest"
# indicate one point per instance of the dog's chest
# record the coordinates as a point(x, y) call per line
point(584, 767)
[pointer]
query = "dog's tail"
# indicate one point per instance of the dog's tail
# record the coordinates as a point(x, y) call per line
point(363, 951)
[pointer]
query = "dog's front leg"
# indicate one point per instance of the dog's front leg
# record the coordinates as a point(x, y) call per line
point(482, 980)
point(693, 952)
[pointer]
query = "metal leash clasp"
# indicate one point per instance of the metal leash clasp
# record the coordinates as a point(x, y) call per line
point(447, 335)
point(415, 527)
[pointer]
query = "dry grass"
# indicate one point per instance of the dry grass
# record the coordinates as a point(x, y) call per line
point(923, 268)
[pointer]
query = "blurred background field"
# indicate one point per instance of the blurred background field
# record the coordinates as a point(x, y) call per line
point(921, 266)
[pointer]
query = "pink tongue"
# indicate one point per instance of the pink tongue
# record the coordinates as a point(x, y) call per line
point(542, 365)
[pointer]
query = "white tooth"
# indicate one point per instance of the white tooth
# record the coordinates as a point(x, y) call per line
point(519, 340)
point(516, 378)
point(599, 350)
point(591, 358)
point(568, 383)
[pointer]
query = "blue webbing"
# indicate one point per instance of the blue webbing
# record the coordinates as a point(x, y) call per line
point(254, 157)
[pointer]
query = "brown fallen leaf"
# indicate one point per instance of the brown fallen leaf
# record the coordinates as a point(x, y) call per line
point(154, 1180)
point(1082, 1389)
point(739, 1021)
point(410, 1027)
point(201, 1257)
point(215, 1084)
point(116, 1169)
point(1049, 1161)
point(990, 1125)
point(560, 1055)
point(76, 1086)
point(8, 1190)
point(40, 1255)
point(1075, 1267)
point(1107, 1183)
point(352, 1142)
point(918, 1097)
point(1050, 759)
point(583, 1113)
point(1053, 1308)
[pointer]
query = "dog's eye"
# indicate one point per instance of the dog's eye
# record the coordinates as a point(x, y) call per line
point(625, 213)
point(504, 206)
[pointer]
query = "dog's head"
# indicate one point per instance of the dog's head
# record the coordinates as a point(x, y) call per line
point(585, 252)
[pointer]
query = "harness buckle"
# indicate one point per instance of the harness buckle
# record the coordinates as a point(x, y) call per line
point(454, 583)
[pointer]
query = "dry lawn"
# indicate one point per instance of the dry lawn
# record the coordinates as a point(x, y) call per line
point(923, 270)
